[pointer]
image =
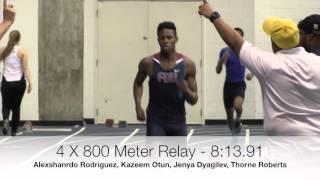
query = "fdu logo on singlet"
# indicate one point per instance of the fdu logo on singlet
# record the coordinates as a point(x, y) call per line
point(168, 77)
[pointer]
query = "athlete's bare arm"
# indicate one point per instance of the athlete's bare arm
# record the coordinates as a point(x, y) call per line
point(23, 55)
point(222, 61)
point(1, 50)
point(143, 71)
point(9, 14)
point(189, 85)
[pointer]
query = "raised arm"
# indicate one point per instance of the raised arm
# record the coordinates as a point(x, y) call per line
point(9, 14)
point(228, 34)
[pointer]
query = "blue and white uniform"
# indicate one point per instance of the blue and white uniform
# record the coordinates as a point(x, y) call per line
point(166, 109)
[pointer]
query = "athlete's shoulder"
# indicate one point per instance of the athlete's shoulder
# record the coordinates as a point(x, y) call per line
point(22, 49)
point(179, 56)
point(21, 52)
point(2, 49)
point(146, 60)
point(145, 63)
point(186, 59)
point(189, 63)
point(190, 66)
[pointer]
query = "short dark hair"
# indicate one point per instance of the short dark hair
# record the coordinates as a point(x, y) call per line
point(239, 30)
point(310, 24)
point(167, 25)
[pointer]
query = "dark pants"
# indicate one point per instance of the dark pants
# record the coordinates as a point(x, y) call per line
point(12, 93)
point(166, 126)
point(231, 90)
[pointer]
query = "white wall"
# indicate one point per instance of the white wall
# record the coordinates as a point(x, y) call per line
point(27, 23)
point(90, 56)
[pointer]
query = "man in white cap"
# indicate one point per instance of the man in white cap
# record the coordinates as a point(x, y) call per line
point(289, 77)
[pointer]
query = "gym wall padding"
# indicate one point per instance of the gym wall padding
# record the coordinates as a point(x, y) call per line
point(61, 42)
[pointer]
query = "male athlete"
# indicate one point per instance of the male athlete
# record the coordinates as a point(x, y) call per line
point(172, 80)
point(234, 86)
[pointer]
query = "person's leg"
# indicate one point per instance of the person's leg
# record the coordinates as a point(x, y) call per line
point(155, 129)
point(20, 88)
point(176, 129)
point(5, 115)
point(15, 121)
point(5, 112)
point(238, 102)
point(5, 94)
point(154, 126)
point(176, 126)
point(228, 104)
point(229, 112)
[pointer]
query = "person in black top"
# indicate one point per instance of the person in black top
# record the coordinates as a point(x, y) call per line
point(309, 29)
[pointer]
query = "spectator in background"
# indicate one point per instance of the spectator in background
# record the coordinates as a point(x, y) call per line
point(309, 29)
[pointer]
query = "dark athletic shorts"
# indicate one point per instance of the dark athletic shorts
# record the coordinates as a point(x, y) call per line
point(231, 90)
point(166, 125)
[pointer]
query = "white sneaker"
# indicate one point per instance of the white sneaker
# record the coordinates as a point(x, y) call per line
point(27, 127)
